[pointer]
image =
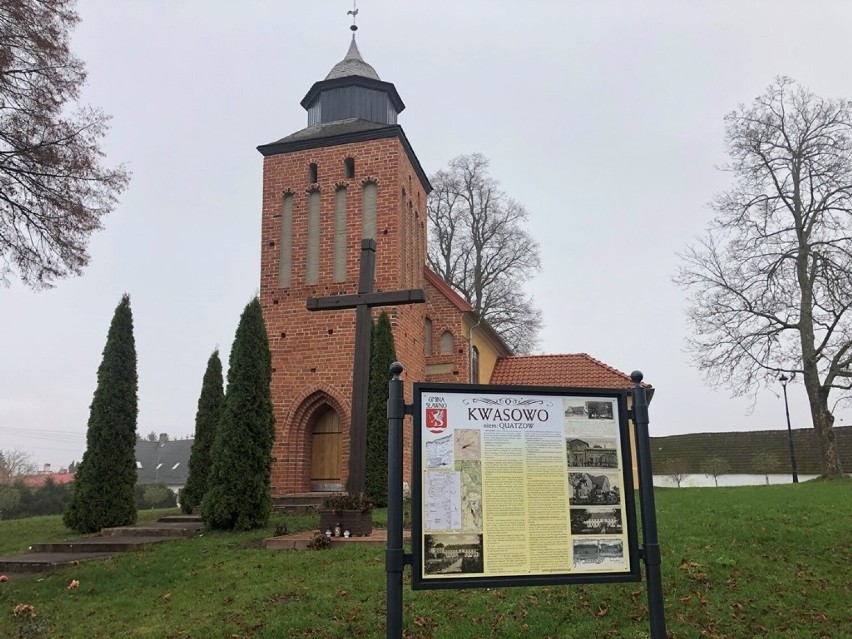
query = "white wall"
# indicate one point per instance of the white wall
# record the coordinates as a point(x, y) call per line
point(698, 480)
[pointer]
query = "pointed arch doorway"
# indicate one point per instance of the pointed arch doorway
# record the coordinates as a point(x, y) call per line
point(325, 450)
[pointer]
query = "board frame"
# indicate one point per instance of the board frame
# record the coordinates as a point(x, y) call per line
point(423, 582)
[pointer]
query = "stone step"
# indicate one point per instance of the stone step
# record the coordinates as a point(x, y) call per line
point(299, 503)
point(98, 544)
point(34, 562)
point(182, 519)
point(300, 498)
point(298, 509)
point(178, 529)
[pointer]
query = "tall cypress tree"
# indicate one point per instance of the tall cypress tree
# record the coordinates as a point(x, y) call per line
point(206, 420)
point(104, 492)
point(238, 493)
point(382, 355)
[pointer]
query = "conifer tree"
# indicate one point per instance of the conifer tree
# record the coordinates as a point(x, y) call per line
point(238, 492)
point(104, 492)
point(382, 355)
point(206, 421)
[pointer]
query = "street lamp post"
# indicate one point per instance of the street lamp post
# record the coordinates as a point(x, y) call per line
point(784, 379)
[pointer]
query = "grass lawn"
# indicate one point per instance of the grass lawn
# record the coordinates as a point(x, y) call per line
point(17, 534)
point(767, 561)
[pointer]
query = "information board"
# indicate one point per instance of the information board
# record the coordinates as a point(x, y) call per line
point(521, 486)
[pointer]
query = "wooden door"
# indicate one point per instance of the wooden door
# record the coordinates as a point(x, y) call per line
point(325, 451)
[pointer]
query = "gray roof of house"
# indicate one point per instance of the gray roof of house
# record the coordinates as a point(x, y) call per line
point(163, 463)
point(352, 64)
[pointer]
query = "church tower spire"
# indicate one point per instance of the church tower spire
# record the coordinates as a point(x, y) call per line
point(352, 89)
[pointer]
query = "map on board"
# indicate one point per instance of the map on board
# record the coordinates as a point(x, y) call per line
point(471, 494)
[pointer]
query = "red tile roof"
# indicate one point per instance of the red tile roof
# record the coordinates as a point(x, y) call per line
point(37, 481)
point(455, 299)
point(575, 369)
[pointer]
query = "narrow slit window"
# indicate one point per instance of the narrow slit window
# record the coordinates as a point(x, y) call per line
point(312, 266)
point(349, 168)
point(340, 235)
point(427, 337)
point(313, 174)
point(403, 242)
point(285, 250)
point(368, 211)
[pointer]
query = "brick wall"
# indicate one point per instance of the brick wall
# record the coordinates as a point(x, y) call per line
point(312, 353)
point(451, 367)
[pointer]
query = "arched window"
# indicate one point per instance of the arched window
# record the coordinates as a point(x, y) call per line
point(427, 337)
point(474, 365)
point(349, 168)
point(447, 346)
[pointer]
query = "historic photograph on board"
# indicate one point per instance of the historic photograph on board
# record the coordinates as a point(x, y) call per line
point(598, 554)
point(453, 554)
point(594, 489)
point(585, 419)
point(592, 452)
point(599, 409)
point(596, 521)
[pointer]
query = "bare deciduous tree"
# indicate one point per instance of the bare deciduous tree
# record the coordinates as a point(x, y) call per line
point(54, 189)
point(675, 469)
point(771, 282)
point(714, 467)
point(478, 242)
point(764, 462)
point(14, 463)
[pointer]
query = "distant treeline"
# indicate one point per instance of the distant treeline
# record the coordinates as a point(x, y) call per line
point(18, 501)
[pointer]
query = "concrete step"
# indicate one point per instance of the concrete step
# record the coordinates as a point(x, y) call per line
point(34, 562)
point(98, 544)
point(177, 529)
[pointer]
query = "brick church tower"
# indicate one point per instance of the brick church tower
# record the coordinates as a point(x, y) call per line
point(350, 174)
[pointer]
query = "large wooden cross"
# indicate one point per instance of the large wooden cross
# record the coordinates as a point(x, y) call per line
point(363, 302)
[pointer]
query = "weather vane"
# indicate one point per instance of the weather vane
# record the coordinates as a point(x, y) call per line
point(354, 13)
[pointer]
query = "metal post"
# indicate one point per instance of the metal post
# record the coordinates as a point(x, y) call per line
point(784, 379)
point(394, 556)
point(650, 545)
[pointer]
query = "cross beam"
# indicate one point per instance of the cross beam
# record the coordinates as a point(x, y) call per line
point(363, 302)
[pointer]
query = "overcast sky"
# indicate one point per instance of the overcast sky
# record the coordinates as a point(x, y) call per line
point(604, 118)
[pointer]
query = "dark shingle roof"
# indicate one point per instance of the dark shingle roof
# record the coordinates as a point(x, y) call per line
point(172, 456)
point(330, 129)
point(739, 448)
